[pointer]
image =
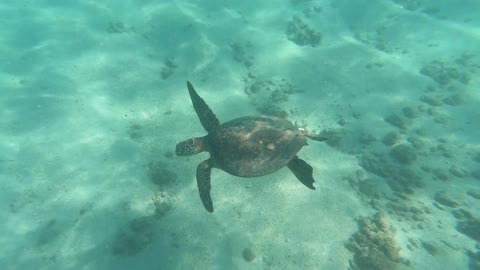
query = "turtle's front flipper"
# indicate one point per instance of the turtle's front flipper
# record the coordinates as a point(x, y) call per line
point(207, 117)
point(302, 171)
point(203, 182)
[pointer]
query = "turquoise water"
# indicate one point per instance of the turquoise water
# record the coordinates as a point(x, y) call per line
point(94, 100)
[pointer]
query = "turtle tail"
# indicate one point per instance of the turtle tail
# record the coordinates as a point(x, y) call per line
point(313, 136)
point(190, 147)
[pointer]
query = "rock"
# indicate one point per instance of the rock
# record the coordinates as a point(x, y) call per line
point(391, 138)
point(431, 248)
point(163, 203)
point(368, 188)
point(458, 172)
point(440, 174)
point(396, 120)
point(443, 73)
point(454, 100)
point(474, 260)
point(409, 112)
point(161, 175)
point(432, 101)
point(440, 119)
point(269, 96)
point(470, 228)
point(474, 194)
point(404, 154)
point(135, 132)
point(476, 174)
point(374, 245)
point(442, 198)
point(417, 142)
point(241, 53)
point(462, 214)
point(446, 151)
point(248, 254)
point(376, 164)
point(477, 157)
point(135, 237)
point(413, 242)
point(335, 137)
point(302, 34)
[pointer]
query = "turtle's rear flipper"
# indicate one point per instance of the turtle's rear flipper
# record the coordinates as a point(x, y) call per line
point(302, 171)
point(203, 182)
point(313, 136)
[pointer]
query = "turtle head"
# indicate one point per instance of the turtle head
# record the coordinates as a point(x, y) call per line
point(190, 147)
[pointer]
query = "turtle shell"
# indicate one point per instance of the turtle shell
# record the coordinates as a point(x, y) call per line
point(254, 145)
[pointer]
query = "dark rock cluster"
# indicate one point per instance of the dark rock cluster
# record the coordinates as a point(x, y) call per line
point(269, 96)
point(302, 34)
point(374, 246)
point(443, 73)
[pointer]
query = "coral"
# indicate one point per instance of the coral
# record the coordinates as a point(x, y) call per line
point(374, 246)
point(302, 34)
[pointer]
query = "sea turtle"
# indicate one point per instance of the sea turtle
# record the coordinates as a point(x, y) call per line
point(247, 147)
